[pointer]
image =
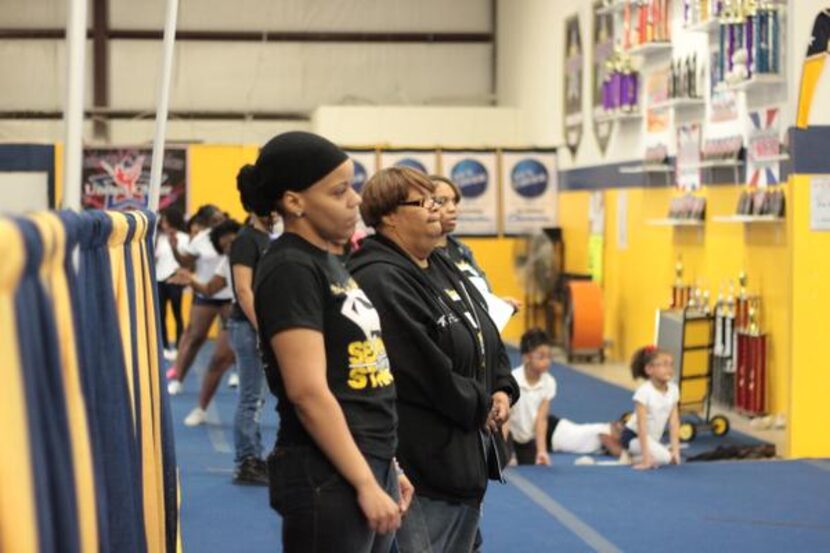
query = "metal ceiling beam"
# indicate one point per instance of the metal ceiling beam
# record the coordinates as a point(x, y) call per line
point(257, 36)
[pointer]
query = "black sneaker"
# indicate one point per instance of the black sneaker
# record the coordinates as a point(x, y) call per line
point(250, 473)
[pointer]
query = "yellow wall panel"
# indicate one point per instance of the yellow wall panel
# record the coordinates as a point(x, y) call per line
point(212, 177)
point(810, 385)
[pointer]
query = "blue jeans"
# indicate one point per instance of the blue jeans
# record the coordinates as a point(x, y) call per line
point(435, 526)
point(252, 388)
point(319, 508)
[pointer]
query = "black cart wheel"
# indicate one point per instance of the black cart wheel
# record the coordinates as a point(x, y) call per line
point(720, 425)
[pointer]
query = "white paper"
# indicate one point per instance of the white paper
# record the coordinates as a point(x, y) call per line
point(622, 220)
point(820, 203)
point(500, 311)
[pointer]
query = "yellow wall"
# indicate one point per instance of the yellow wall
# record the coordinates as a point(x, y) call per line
point(212, 178)
point(638, 279)
point(496, 256)
point(810, 386)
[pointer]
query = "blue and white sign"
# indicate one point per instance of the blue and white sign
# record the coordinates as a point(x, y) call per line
point(424, 161)
point(476, 174)
point(365, 165)
point(529, 190)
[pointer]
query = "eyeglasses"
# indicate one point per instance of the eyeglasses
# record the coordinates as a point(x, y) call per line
point(441, 201)
point(427, 202)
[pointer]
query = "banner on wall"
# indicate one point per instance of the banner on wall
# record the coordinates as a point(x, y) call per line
point(529, 190)
point(365, 165)
point(657, 119)
point(573, 84)
point(424, 161)
point(475, 173)
point(603, 49)
point(688, 157)
point(763, 147)
point(119, 178)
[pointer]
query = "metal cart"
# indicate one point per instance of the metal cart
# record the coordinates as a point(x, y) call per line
point(689, 335)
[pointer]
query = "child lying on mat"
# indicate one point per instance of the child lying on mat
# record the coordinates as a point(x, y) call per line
point(533, 432)
point(655, 404)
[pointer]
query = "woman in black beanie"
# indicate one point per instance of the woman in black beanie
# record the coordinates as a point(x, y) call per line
point(332, 473)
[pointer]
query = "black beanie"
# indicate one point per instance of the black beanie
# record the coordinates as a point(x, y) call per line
point(289, 161)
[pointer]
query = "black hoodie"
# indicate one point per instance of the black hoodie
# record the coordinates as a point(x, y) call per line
point(444, 389)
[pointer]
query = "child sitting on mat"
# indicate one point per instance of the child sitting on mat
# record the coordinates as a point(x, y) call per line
point(528, 424)
point(655, 404)
point(533, 431)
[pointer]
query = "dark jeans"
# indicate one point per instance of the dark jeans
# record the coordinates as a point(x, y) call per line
point(173, 294)
point(526, 452)
point(319, 508)
point(435, 526)
point(252, 388)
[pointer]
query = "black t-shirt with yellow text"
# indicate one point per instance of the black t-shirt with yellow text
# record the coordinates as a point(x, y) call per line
point(300, 286)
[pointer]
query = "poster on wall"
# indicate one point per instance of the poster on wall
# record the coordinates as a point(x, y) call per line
point(657, 118)
point(763, 147)
point(573, 84)
point(603, 49)
point(475, 172)
point(529, 190)
point(820, 203)
point(425, 161)
point(119, 178)
point(365, 165)
point(688, 157)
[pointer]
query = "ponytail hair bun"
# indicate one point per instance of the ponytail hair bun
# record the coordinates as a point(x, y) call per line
point(252, 193)
point(641, 358)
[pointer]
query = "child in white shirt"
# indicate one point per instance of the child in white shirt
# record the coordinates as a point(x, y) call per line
point(655, 405)
point(529, 416)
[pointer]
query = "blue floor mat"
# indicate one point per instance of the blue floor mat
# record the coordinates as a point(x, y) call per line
point(746, 506)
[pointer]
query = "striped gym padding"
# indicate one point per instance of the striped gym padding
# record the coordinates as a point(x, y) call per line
point(87, 461)
point(57, 509)
point(17, 486)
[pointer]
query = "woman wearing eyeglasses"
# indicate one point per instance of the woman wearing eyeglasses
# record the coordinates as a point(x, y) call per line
point(451, 372)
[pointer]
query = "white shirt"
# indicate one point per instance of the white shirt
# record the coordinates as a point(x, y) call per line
point(523, 413)
point(658, 405)
point(207, 261)
point(166, 264)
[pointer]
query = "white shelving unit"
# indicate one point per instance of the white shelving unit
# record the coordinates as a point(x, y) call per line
point(761, 219)
point(670, 222)
point(758, 81)
point(647, 168)
point(680, 103)
point(650, 49)
point(774, 159)
point(717, 163)
point(622, 117)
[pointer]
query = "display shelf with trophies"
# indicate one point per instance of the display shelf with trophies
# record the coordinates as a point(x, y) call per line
point(620, 93)
point(749, 45)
